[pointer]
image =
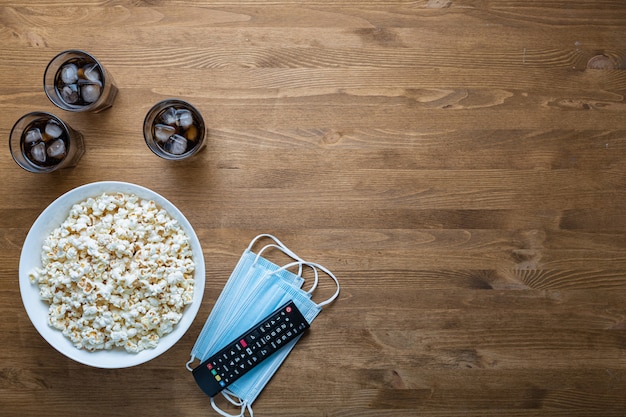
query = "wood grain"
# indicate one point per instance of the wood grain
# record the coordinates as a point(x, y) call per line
point(458, 164)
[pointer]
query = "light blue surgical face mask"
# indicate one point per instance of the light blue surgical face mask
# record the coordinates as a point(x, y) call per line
point(247, 275)
point(255, 289)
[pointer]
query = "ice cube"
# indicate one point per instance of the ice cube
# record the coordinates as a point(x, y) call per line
point(184, 118)
point(91, 72)
point(38, 152)
point(69, 74)
point(176, 145)
point(56, 149)
point(32, 136)
point(163, 132)
point(69, 93)
point(169, 116)
point(90, 92)
point(53, 130)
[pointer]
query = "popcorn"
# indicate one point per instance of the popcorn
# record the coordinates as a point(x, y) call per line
point(117, 273)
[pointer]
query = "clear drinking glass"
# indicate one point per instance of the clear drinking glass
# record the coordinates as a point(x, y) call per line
point(41, 142)
point(174, 129)
point(76, 81)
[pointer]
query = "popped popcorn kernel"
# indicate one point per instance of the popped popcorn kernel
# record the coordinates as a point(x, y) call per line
point(117, 273)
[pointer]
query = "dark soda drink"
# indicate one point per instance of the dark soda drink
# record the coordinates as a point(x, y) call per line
point(174, 129)
point(41, 142)
point(79, 82)
point(76, 81)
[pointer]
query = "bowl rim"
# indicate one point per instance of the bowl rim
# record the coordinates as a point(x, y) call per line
point(50, 218)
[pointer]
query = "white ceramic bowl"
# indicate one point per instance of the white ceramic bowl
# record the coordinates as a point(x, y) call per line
point(37, 309)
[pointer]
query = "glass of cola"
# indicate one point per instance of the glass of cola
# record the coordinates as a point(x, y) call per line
point(174, 129)
point(75, 81)
point(41, 142)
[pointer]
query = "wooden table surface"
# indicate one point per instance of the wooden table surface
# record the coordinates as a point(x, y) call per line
point(458, 164)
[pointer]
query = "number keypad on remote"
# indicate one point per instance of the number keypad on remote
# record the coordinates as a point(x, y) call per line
point(250, 349)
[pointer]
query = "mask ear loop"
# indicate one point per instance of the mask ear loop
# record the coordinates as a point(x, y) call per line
point(278, 242)
point(260, 237)
point(316, 280)
point(187, 365)
point(230, 397)
point(241, 404)
point(281, 248)
point(333, 277)
point(314, 266)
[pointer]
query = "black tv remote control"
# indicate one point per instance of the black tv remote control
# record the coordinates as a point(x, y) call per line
point(250, 349)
